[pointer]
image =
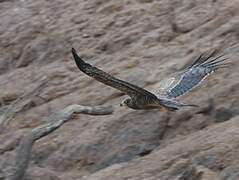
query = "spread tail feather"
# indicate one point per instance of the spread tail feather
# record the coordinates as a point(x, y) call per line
point(175, 105)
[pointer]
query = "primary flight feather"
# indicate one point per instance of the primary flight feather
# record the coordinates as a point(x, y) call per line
point(182, 82)
point(171, 87)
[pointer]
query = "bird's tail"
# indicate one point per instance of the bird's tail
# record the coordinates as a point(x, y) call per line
point(173, 105)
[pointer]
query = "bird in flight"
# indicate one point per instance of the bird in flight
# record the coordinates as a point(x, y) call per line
point(174, 86)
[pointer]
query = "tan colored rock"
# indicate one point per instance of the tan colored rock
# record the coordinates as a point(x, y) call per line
point(209, 150)
point(139, 41)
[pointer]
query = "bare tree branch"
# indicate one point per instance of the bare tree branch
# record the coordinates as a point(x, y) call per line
point(56, 120)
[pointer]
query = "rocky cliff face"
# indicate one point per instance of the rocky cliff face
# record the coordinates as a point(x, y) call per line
point(140, 41)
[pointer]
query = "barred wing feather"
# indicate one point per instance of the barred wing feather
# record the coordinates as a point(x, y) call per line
point(130, 89)
point(182, 82)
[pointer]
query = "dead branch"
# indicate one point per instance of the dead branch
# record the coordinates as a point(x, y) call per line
point(55, 121)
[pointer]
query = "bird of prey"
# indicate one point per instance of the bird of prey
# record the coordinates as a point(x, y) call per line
point(170, 88)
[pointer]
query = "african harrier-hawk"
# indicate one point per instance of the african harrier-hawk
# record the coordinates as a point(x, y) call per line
point(170, 88)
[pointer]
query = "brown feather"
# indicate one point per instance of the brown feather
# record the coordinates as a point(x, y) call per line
point(132, 90)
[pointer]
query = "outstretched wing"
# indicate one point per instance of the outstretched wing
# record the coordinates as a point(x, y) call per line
point(190, 77)
point(132, 90)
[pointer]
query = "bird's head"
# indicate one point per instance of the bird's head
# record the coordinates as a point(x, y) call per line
point(125, 102)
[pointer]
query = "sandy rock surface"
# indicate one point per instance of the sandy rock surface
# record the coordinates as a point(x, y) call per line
point(140, 41)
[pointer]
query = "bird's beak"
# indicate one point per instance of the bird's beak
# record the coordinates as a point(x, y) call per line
point(121, 104)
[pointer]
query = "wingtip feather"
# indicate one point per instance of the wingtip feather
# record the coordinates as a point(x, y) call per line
point(75, 55)
point(78, 60)
point(73, 51)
